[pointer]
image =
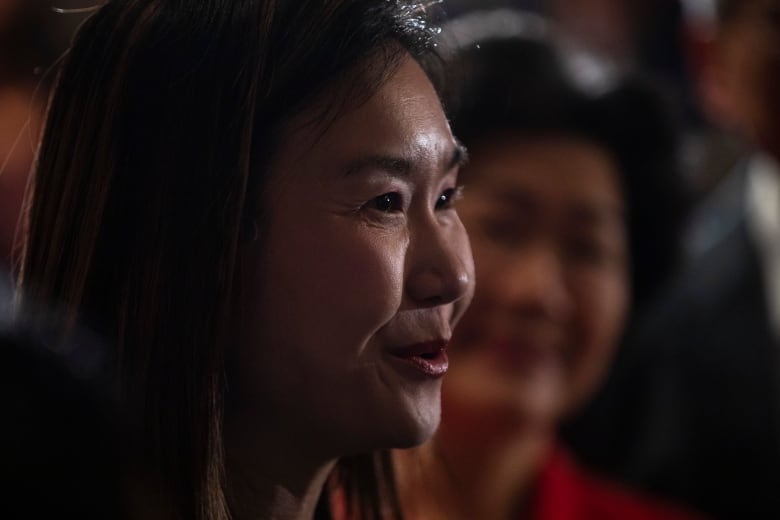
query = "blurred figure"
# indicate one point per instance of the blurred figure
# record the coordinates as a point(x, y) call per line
point(737, 63)
point(606, 27)
point(559, 184)
point(699, 392)
point(59, 456)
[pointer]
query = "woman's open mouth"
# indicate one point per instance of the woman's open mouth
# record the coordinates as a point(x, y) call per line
point(429, 358)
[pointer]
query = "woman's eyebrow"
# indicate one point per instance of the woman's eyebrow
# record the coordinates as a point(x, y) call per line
point(402, 166)
point(397, 166)
point(596, 215)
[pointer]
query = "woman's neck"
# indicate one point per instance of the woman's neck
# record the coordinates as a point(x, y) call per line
point(272, 478)
point(257, 495)
point(455, 478)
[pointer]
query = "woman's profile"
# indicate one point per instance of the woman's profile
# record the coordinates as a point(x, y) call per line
point(252, 202)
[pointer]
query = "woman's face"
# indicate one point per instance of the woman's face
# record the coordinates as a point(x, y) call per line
point(360, 276)
point(545, 218)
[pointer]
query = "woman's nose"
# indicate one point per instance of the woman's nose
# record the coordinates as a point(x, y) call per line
point(535, 282)
point(439, 265)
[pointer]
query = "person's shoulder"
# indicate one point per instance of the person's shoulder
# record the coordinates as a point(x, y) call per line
point(715, 217)
point(606, 500)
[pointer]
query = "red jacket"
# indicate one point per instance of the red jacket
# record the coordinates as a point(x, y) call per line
point(565, 492)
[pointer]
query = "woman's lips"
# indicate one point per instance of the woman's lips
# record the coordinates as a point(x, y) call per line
point(428, 358)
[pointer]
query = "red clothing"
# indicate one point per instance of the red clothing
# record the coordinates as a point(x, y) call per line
point(565, 492)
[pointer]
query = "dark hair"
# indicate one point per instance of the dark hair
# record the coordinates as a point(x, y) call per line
point(522, 84)
point(165, 117)
point(368, 485)
point(728, 10)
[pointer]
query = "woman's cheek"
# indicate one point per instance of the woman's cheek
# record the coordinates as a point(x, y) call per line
point(371, 275)
point(601, 313)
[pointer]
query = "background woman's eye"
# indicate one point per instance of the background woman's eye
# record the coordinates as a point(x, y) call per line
point(386, 203)
point(506, 232)
point(448, 197)
point(588, 251)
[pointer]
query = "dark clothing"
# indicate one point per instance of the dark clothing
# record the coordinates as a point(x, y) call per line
point(692, 409)
point(59, 457)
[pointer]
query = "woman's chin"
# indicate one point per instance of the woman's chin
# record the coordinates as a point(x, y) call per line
point(414, 426)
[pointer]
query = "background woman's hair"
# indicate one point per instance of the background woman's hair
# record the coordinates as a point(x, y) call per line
point(165, 117)
point(523, 85)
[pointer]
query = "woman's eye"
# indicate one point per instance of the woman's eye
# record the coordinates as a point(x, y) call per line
point(448, 198)
point(386, 203)
point(504, 232)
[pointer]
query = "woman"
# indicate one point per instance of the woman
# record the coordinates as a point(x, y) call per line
point(553, 210)
point(252, 201)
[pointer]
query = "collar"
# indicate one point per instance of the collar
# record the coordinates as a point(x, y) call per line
point(763, 223)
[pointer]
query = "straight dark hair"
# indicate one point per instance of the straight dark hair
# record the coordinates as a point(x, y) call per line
point(165, 116)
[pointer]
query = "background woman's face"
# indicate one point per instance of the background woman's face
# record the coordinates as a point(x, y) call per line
point(364, 255)
point(747, 72)
point(545, 218)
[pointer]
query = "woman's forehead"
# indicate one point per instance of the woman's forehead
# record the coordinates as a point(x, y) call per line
point(402, 119)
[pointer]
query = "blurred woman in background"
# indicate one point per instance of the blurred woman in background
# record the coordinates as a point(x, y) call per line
point(567, 202)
